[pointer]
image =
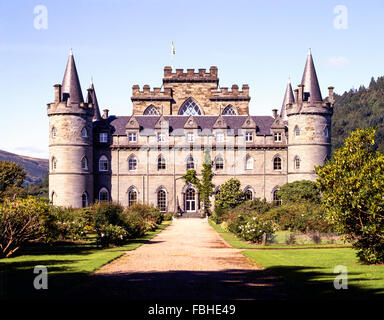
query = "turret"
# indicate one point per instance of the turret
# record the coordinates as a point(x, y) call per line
point(70, 143)
point(288, 99)
point(309, 126)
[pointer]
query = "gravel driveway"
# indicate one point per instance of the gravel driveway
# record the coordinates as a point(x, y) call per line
point(188, 260)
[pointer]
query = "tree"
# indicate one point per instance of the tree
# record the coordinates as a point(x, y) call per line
point(352, 185)
point(12, 176)
point(230, 195)
point(205, 186)
point(299, 191)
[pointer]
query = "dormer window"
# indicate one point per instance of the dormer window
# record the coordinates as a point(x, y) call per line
point(103, 137)
point(278, 137)
point(248, 136)
point(219, 137)
point(190, 137)
point(161, 137)
point(132, 137)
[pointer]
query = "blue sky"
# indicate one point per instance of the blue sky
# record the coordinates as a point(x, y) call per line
point(121, 43)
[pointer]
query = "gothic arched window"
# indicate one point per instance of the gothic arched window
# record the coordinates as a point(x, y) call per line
point(132, 196)
point(132, 163)
point(229, 111)
point(275, 197)
point(277, 163)
point(248, 193)
point(161, 164)
point(103, 163)
point(249, 162)
point(151, 111)
point(219, 163)
point(162, 200)
point(84, 200)
point(84, 133)
point(190, 163)
point(297, 131)
point(189, 107)
point(103, 195)
point(84, 163)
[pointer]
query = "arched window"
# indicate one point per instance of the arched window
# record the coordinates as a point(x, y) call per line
point(297, 131)
point(103, 163)
point(132, 163)
point(249, 162)
point(277, 163)
point(326, 133)
point(248, 194)
point(276, 199)
point(162, 200)
point(190, 163)
point(103, 195)
point(189, 107)
point(161, 164)
point(132, 196)
point(54, 132)
point(84, 133)
point(219, 163)
point(229, 111)
point(84, 163)
point(151, 111)
point(53, 163)
point(53, 197)
point(84, 200)
point(190, 202)
point(296, 163)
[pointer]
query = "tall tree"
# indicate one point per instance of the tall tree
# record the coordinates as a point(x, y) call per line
point(12, 176)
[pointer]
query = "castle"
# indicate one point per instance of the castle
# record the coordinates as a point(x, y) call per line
point(142, 157)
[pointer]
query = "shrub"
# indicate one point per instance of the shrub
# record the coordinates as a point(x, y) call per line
point(230, 196)
point(23, 220)
point(253, 228)
point(147, 212)
point(111, 234)
point(135, 225)
point(168, 217)
point(291, 239)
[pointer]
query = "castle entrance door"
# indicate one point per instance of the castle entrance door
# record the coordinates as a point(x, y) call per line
point(190, 201)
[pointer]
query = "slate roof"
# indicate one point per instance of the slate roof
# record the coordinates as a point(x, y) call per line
point(309, 80)
point(71, 90)
point(205, 124)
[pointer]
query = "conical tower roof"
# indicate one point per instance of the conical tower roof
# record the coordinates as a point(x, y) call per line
point(288, 98)
point(71, 89)
point(91, 98)
point(309, 80)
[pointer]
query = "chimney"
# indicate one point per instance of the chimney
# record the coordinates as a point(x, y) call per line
point(105, 113)
point(274, 112)
point(57, 92)
point(330, 93)
point(301, 93)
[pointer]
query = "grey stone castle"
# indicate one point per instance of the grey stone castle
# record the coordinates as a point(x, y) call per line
point(142, 157)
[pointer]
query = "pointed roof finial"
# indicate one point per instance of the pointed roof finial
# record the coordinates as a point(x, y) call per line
point(309, 80)
point(70, 51)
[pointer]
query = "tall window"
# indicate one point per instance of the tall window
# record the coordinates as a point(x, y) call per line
point(278, 137)
point(151, 111)
point(219, 137)
point(296, 163)
point(84, 163)
point(249, 136)
point(248, 163)
point(297, 131)
point(103, 163)
point(84, 200)
point(248, 193)
point(161, 137)
point(103, 137)
point(84, 133)
point(189, 107)
point(162, 200)
point(161, 165)
point(190, 163)
point(277, 165)
point(276, 198)
point(103, 195)
point(326, 133)
point(190, 202)
point(54, 132)
point(132, 196)
point(190, 137)
point(219, 163)
point(132, 163)
point(229, 111)
point(53, 163)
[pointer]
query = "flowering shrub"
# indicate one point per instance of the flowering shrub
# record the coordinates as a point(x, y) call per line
point(135, 225)
point(254, 227)
point(111, 234)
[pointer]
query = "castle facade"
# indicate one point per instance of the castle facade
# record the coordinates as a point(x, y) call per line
point(142, 157)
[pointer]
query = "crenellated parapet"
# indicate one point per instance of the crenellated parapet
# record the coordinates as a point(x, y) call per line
point(156, 94)
point(224, 94)
point(201, 75)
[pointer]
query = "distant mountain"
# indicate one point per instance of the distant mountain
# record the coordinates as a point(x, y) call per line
point(360, 108)
point(35, 168)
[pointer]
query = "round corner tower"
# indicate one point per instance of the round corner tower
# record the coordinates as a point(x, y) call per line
point(309, 126)
point(70, 143)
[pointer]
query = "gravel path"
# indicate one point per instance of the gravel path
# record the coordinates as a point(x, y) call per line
point(188, 260)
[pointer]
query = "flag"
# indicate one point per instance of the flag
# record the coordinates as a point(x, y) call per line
point(173, 48)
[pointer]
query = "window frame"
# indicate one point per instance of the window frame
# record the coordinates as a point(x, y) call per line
point(248, 136)
point(278, 137)
point(132, 137)
point(103, 159)
point(103, 137)
point(132, 163)
point(280, 164)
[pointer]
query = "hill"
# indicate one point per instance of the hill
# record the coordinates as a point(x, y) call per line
point(36, 168)
point(360, 108)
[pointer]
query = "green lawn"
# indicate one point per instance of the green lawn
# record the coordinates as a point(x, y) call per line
point(67, 263)
point(309, 272)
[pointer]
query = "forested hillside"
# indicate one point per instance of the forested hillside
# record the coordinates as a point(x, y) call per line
point(359, 109)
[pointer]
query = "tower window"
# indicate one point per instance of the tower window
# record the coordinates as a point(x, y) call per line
point(278, 137)
point(219, 163)
point(84, 133)
point(84, 163)
point(297, 131)
point(162, 200)
point(248, 136)
point(103, 163)
point(277, 164)
point(132, 163)
point(296, 163)
point(151, 111)
point(229, 111)
point(189, 107)
point(53, 163)
point(103, 137)
point(190, 163)
point(326, 133)
point(161, 165)
point(84, 200)
point(54, 132)
point(103, 195)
